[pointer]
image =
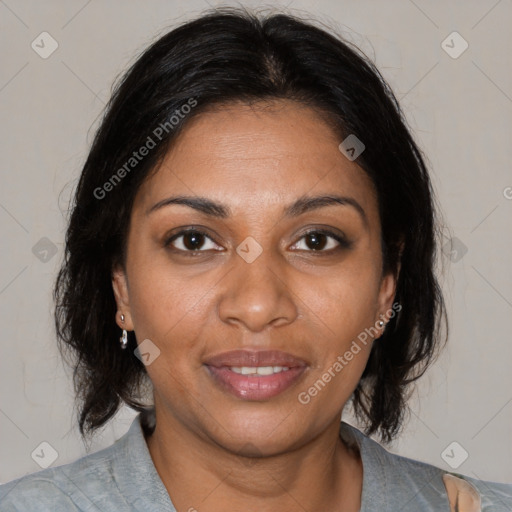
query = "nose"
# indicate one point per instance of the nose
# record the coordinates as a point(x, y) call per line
point(257, 294)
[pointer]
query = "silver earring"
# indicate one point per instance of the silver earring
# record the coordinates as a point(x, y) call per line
point(381, 323)
point(124, 338)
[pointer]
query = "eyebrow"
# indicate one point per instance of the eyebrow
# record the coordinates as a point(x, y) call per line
point(302, 205)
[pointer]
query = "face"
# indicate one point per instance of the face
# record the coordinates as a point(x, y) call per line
point(254, 274)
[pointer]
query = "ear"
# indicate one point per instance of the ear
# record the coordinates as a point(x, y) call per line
point(387, 294)
point(121, 293)
point(388, 289)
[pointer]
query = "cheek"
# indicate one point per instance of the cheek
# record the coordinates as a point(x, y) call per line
point(169, 315)
point(170, 307)
point(345, 300)
point(342, 308)
point(159, 293)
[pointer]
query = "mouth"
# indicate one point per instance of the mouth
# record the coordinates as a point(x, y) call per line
point(255, 375)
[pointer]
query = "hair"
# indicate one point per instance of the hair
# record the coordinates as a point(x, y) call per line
point(224, 56)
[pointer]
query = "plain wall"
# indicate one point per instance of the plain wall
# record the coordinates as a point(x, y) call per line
point(459, 110)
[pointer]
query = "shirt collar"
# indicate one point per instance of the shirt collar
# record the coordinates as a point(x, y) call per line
point(375, 491)
point(135, 473)
point(138, 481)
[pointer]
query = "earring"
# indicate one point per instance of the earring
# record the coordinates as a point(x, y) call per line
point(381, 323)
point(124, 338)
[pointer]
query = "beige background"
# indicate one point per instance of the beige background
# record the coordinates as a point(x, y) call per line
point(459, 109)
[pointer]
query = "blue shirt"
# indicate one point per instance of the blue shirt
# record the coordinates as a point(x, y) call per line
point(123, 477)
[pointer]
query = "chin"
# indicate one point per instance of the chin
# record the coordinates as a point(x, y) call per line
point(260, 433)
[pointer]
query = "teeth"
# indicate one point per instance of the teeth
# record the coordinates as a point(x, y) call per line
point(260, 370)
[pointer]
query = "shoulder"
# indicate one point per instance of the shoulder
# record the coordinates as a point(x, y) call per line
point(120, 477)
point(86, 484)
point(407, 483)
point(427, 480)
point(36, 493)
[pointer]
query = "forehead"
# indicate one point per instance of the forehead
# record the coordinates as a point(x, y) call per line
point(257, 156)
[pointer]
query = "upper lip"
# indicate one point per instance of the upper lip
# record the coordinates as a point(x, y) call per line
point(239, 358)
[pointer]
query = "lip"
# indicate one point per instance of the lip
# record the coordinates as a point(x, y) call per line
point(254, 387)
point(255, 358)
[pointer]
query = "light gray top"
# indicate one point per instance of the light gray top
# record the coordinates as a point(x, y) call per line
point(123, 477)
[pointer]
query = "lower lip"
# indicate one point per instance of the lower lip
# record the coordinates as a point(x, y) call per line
point(252, 387)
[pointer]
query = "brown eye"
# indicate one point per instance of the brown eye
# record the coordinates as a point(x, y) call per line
point(316, 241)
point(321, 241)
point(193, 241)
point(190, 241)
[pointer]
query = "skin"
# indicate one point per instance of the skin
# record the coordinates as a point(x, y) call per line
point(212, 449)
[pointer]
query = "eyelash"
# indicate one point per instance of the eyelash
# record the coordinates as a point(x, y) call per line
point(343, 242)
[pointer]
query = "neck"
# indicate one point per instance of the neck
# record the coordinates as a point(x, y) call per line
point(199, 474)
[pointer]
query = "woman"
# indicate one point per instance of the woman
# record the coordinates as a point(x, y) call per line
point(252, 243)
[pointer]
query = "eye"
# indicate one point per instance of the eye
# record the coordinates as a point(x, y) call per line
point(319, 240)
point(191, 240)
